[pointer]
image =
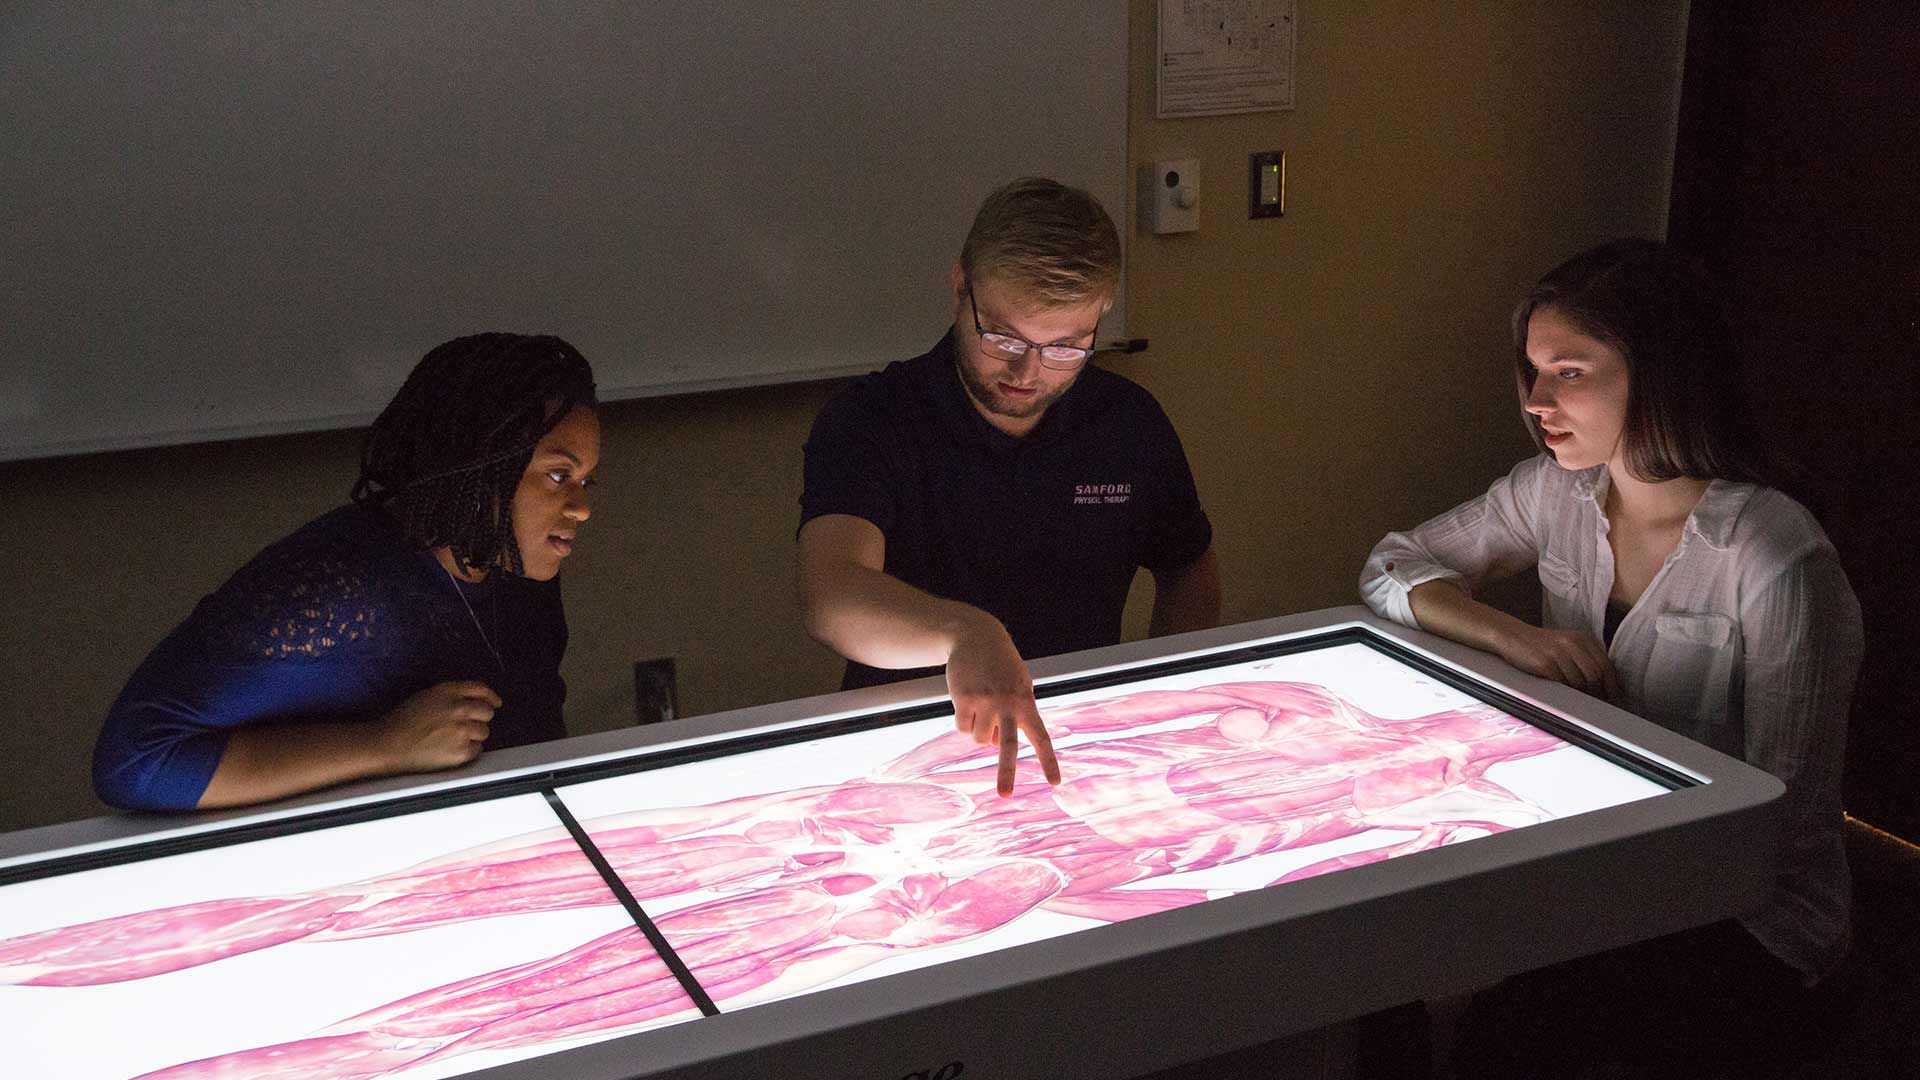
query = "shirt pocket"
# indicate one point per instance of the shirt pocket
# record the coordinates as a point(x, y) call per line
point(1559, 578)
point(1689, 678)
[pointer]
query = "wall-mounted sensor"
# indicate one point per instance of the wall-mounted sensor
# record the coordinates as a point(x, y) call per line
point(1267, 183)
point(1170, 196)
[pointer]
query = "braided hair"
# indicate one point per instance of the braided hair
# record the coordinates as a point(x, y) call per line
point(446, 455)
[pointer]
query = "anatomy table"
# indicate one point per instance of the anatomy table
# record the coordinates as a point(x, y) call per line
point(1261, 829)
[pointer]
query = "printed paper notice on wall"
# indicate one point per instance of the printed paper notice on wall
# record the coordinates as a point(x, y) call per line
point(1225, 56)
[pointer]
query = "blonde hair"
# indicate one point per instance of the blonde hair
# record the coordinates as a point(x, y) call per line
point(1053, 242)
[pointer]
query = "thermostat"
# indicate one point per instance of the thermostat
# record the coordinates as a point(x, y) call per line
point(1170, 196)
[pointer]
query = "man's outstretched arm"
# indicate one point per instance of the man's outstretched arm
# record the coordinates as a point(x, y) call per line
point(851, 605)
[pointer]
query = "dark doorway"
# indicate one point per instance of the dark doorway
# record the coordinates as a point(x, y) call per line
point(1797, 176)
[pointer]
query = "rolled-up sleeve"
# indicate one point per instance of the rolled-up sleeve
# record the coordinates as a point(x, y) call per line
point(166, 733)
point(153, 753)
point(168, 730)
point(1487, 537)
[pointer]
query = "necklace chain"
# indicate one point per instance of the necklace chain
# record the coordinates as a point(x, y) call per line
point(461, 593)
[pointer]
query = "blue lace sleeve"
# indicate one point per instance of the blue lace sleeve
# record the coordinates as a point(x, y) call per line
point(305, 630)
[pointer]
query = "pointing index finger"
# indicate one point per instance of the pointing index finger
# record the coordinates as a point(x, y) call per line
point(1042, 743)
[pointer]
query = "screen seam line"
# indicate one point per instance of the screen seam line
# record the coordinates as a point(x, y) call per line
point(640, 918)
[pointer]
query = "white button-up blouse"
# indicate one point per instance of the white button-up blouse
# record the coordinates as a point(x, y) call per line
point(1747, 640)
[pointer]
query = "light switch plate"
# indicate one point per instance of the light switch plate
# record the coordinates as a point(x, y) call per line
point(1266, 183)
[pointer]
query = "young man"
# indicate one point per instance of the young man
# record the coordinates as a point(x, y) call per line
point(993, 498)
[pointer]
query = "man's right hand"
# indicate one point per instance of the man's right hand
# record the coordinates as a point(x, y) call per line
point(853, 606)
point(1565, 656)
point(439, 727)
point(993, 698)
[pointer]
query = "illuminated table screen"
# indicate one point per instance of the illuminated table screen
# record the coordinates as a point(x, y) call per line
point(322, 953)
point(867, 853)
point(433, 941)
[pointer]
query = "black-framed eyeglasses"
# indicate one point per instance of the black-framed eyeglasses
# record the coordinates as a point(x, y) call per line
point(1010, 347)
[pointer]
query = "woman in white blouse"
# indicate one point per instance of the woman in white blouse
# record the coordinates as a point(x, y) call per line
point(1675, 584)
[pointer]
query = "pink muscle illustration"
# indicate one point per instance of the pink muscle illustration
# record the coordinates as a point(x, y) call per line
point(811, 884)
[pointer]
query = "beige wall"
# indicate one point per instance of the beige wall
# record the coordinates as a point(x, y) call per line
point(1335, 373)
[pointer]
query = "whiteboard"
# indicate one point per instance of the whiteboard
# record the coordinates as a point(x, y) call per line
point(220, 220)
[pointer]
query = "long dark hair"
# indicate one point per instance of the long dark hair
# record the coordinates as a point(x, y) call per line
point(1685, 413)
point(447, 453)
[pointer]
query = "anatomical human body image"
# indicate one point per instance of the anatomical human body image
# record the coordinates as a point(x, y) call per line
point(817, 863)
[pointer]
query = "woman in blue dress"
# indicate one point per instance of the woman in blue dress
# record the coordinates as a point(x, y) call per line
point(404, 632)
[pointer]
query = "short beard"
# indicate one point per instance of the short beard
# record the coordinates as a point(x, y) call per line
point(984, 394)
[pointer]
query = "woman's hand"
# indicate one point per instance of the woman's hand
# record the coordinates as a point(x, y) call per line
point(439, 727)
point(1565, 656)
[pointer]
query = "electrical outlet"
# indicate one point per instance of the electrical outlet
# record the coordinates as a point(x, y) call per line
point(655, 697)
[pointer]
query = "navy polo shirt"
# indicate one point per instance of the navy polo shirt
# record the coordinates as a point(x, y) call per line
point(1045, 532)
